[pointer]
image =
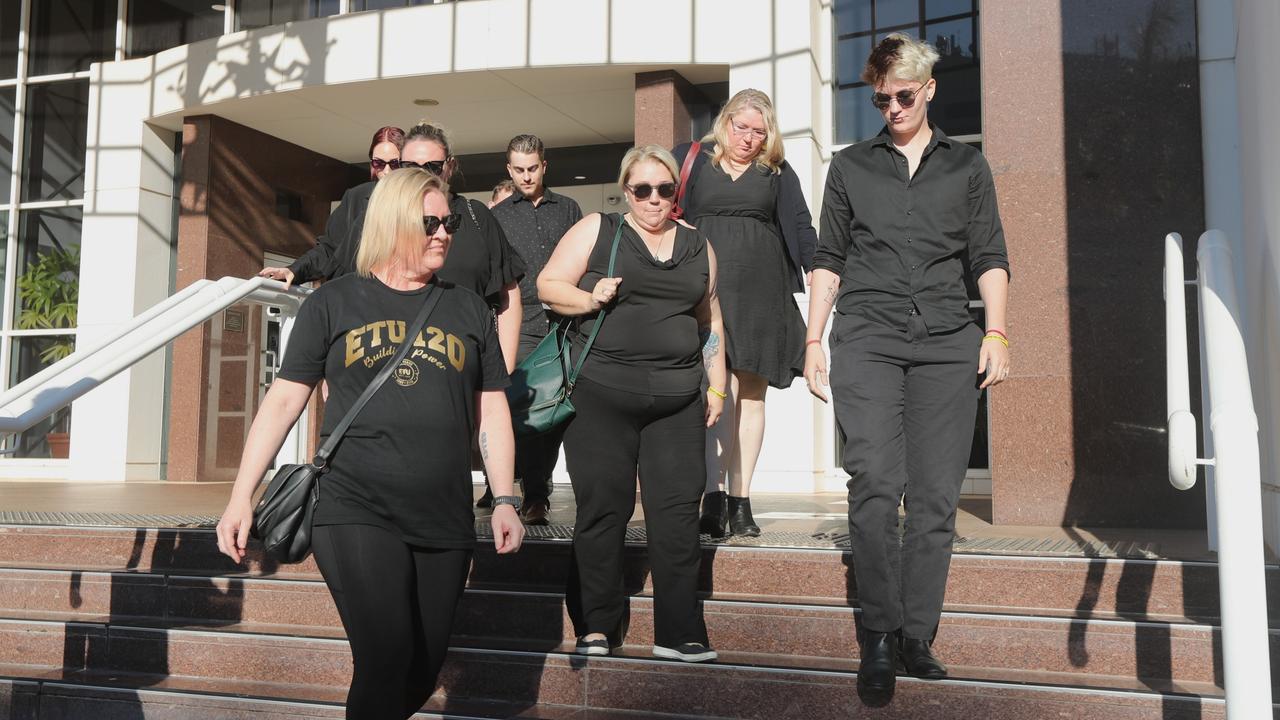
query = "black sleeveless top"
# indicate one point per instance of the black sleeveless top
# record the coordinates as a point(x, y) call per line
point(649, 340)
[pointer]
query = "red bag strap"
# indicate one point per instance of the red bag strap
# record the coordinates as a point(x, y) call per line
point(677, 210)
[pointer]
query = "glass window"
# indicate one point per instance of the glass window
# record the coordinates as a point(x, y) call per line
point(156, 25)
point(262, 13)
point(54, 149)
point(48, 269)
point(69, 35)
point(28, 356)
point(891, 13)
point(358, 5)
point(10, 16)
point(957, 106)
point(7, 96)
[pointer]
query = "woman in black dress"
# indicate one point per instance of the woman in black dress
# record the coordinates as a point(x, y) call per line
point(640, 405)
point(744, 196)
point(393, 530)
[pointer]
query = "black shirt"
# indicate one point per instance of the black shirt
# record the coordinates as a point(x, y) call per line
point(649, 340)
point(902, 244)
point(480, 258)
point(534, 232)
point(405, 463)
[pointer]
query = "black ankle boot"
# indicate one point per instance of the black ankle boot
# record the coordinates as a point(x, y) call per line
point(877, 672)
point(740, 520)
point(715, 513)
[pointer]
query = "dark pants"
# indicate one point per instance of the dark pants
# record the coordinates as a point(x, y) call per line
point(613, 433)
point(536, 456)
point(905, 403)
point(397, 603)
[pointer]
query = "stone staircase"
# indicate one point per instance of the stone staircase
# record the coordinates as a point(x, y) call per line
point(122, 623)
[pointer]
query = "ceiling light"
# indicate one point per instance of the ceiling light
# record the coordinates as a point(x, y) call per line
point(426, 102)
point(579, 177)
point(218, 7)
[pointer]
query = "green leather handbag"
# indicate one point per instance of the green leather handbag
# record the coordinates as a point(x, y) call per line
point(542, 383)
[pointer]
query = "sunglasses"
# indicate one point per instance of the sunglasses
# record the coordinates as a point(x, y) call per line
point(905, 98)
point(435, 167)
point(378, 164)
point(666, 190)
point(451, 223)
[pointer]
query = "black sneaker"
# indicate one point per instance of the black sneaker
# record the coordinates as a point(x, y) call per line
point(687, 652)
point(592, 647)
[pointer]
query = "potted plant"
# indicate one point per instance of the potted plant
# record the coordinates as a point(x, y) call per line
point(49, 292)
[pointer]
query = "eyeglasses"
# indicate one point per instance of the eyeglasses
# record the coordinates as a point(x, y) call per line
point(451, 223)
point(905, 98)
point(666, 190)
point(744, 130)
point(378, 164)
point(435, 167)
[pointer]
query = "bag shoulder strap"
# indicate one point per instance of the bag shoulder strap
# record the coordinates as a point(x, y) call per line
point(586, 348)
point(419, 322)
point(686, 169)
point(471, 211)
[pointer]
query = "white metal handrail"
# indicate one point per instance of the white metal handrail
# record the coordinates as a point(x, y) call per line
point(57, 386)
point(1237, 486)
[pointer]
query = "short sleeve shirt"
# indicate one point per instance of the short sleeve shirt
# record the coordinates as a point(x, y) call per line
point(405, 462)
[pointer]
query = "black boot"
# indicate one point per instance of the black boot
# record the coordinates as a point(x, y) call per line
point(740, 520)
point(919, 660)
point(715, 513)
point(877, 671)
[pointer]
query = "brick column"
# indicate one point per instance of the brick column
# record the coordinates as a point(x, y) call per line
point(663, 98)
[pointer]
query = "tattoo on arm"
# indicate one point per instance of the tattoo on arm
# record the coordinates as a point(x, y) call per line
point(830, 297)
point(710, 347)
point(484, 446)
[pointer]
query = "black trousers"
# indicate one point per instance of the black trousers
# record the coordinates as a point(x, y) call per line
point(906, 404)
point(613, 433)
point(536, 456)
point(397, 603)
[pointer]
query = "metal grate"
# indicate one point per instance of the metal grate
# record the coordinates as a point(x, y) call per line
point(636, 535)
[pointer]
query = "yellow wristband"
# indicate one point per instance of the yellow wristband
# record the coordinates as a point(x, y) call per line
point(717, 393)
point(993, 336)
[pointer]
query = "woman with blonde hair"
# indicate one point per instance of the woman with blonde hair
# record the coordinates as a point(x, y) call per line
point(640, 404)
point(393, 529)
point(742, 194)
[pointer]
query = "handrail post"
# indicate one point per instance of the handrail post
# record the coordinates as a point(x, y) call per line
point(1241, 580)
point(1182, 424)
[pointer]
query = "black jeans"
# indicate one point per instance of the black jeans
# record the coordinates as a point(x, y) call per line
point(906, 404)
point(536, 456)
point(614, 433)
point(397, 603)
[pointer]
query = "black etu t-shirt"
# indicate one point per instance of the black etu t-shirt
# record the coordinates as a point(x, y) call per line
point(405, 463)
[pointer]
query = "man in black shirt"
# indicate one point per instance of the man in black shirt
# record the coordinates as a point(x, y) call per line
point(534, 219)
point(905, 216)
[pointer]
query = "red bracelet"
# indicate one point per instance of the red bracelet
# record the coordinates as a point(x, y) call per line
point(810, 342)
point(993, 331)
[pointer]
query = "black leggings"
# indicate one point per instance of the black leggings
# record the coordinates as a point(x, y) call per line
point(397, 603)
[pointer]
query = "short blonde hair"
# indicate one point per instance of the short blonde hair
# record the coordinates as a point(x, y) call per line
point(393, 221)
point(901, 57)
point(771, 151)
point(644, 153)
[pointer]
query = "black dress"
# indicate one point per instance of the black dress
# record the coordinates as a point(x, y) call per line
point(763, 326)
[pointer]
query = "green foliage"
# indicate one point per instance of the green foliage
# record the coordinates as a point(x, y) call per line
point(49, 291)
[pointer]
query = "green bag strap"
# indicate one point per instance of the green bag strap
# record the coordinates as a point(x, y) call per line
point(613, 258)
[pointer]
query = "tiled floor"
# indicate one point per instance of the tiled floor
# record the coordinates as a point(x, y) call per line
point(819, 514)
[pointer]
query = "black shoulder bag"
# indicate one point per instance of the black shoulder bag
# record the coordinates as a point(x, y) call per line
point(541, 384)
point(282, 518)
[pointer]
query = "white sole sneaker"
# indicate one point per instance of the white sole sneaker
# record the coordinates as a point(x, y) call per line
point(598, 647)
point(685, 653)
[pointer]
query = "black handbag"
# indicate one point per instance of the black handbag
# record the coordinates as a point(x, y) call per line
point(282, 518)
point(541, 384)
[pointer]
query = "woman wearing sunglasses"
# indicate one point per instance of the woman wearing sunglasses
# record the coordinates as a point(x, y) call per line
point(744, 196)
point(640, 404)
point(906, 217)
point(482, 260)
point(393, 530)
point(384, 156)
